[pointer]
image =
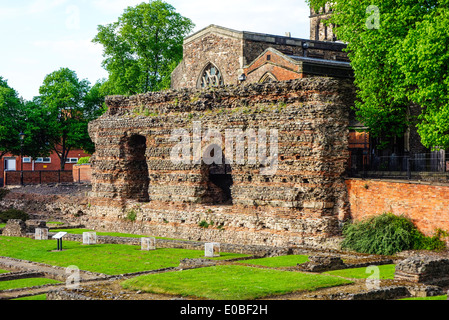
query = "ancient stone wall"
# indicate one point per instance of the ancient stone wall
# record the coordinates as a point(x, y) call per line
point(134, 175)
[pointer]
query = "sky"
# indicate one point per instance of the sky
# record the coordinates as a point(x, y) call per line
point(38, 37)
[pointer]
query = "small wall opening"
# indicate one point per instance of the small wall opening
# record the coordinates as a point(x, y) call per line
point(137, 176)
point(219, 176)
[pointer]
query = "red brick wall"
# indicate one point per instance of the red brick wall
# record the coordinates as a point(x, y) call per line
point(82, 172)
point(426, 205)
point(37, 177)
point(54, 165)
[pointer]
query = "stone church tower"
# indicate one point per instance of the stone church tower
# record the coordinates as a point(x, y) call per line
point(319, 31)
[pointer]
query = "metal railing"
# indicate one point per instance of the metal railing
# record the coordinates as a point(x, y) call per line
point(432, 166)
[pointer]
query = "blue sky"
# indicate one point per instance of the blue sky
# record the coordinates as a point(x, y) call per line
point(41, 36)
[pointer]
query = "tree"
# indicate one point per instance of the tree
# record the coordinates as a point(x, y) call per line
point(69, 104)
point(11, 121)
point(19, 116)
point(143, 47)
point(398, 50)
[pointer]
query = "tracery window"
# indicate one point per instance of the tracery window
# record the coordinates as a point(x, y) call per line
point(211, 77)
point(267, 77)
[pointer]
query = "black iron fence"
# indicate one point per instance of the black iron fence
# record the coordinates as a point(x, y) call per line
point(432, 166)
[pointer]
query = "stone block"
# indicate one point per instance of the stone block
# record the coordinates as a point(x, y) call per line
point(212, 250)
point(89, 238)
point(41, 234)
point(148, 244)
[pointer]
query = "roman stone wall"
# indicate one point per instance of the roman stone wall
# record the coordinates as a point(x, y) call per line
point(300, 201)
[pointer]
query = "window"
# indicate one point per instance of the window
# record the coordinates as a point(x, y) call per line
point(211, 77)
point(71, 160)
point(26, 159)
point(267, 77)
point(43, 160)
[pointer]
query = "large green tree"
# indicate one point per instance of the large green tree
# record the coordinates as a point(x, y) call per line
point(399, 53)
point(69, 104)
point(143, 47)
point(21, 117)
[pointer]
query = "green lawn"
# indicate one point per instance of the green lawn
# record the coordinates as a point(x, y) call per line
point(385, 272)
point(55, 222)
point(36, 297)
point(4, 271)
point(111, 234)
point(25, 283)
point(110, 259)
point(2, 225)
point(231, 282)
point(277, 262)
point(427, 298)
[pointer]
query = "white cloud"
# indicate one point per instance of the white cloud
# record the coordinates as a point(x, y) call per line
point(69, 48)
point(114, 6)
point(41, 6)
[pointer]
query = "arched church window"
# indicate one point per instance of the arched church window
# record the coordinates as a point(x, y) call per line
point(267, 77)
point(211, 77)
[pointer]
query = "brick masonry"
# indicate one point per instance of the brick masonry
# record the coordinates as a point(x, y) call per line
point(424, 203)
point(302, 203)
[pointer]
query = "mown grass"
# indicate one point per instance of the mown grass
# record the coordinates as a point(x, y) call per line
point(277, 262)
point(231, 282)
point(36, 297)
point(111, 259)
point(4, 271)
point(26, 283)
point(385, 272)
point(444, 297)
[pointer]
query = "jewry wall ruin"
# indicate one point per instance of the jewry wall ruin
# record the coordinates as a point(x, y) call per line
point(135, 176)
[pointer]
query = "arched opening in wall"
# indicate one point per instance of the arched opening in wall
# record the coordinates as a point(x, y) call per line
point(267, 77)
point(218, 174)
point(211, 76)
point(133, 150)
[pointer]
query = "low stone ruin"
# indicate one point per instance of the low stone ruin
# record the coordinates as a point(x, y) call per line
point(322, 263)
point(19, 228)
point(15, 228)
point(426, 270)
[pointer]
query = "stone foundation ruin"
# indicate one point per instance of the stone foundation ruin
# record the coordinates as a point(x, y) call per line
point(152, 171)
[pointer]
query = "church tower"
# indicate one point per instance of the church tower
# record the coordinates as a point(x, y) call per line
point(319, 31)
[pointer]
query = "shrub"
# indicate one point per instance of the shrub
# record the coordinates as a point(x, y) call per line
point(132, 216)
point(13, 214)
point(387, 234)
point(84, 160)
point(3, 193)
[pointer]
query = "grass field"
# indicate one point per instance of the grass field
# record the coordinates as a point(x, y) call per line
point(427, 298)
point(231, 282)
point(36, 297)
point(110, 259)
point(277, 262)
point(25, 283)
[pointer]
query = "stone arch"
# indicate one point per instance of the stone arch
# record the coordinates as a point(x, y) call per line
point(135, 168)
point(210, 76)
point(267, 77)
